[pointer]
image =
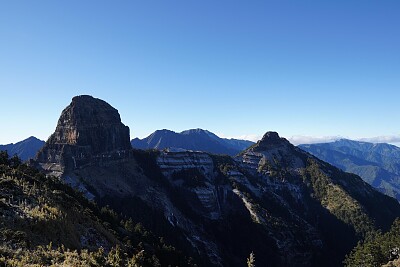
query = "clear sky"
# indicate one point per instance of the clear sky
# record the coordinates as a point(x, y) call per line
point(311, 70)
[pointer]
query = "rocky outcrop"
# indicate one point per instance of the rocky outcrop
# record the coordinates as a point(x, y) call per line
point(270, 140)
point(272, 152)
point(87, 127)
point(181, 168)
point(173, 161)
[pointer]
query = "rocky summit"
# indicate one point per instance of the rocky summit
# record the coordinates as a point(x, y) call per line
point(269, 140)
point(87, 127)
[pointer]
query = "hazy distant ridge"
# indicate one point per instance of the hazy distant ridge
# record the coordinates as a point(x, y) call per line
point(194, 139)
point(24, 149)
point(377, 164)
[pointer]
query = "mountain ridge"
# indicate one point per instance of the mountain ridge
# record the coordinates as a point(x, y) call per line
point(192, 139)
point(25, 149)
point(377, 163)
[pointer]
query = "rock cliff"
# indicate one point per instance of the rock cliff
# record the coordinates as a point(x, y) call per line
point(86, 128)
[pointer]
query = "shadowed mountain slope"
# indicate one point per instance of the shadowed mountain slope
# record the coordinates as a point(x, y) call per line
point(46, 223)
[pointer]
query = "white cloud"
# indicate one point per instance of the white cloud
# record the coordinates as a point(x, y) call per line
point(304, 139)
point(295, 139)
point(250, 137)
point(392, 139)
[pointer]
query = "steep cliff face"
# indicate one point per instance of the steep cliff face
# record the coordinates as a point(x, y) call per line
point(205, 189)
point(87, 127)
point(93, 123)
point(193, 171)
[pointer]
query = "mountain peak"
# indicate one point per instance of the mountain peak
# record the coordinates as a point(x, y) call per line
point(163, 131)
point(24, 149)
point(270, 136)
point(196, 131)
point(90, 121)
point(270, 140)
point(192, 139)
point(87, 125)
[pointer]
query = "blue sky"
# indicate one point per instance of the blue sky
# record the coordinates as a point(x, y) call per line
point(311, 70)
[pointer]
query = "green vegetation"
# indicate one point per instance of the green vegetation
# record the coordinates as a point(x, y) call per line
point(50, 256)
point(47, 223)
point(377, 164)
point(377, 249)
point(336, 199)
point(279, 169)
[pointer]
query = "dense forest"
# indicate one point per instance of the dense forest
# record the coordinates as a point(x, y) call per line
point(377, 249)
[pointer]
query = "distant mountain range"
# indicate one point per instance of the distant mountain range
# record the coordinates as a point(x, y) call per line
point(377, 164)
point(25, 149)
point(194, 139)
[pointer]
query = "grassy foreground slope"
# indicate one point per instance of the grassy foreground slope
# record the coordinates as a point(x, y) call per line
point(46, 223)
